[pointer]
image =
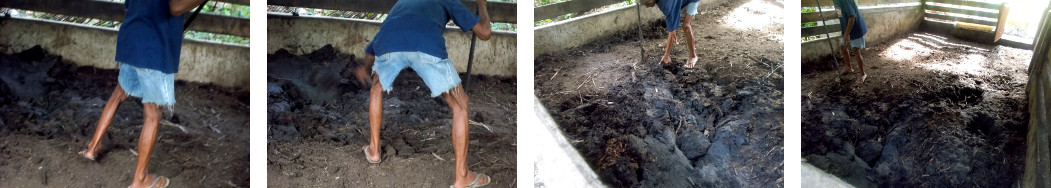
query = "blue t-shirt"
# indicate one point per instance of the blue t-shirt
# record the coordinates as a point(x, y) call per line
point(150, 37)
point(417, 25)
point(848, 8)
point(673, 11)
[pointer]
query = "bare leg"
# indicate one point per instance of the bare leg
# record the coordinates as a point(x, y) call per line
point(861, 65)
point(148, 137)
point(689, 41)
point(105, 119)
point(375, 119)
point(667, 48)
point(846, 59)
point(457, 100)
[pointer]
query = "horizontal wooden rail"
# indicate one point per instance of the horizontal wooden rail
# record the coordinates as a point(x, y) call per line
point(813, 3)
point(820, 30)
point(962, 19)
point(498, 11)
point(815, 16)
point(985, 5)
point(964, 11)
point(239, 2)
point(569, 7)
point(113, 11)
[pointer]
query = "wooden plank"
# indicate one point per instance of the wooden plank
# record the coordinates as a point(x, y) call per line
point(239, 2)
point(994, 6)
point(820, 30)
point(213, 23)
point(498, 11)
point(963, 11)
point(103, 10)
point(569, 7)
point(114, 11)
point(814, 16)
point(813, 3)
point(961, 19)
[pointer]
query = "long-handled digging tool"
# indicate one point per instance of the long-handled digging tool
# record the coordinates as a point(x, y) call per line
point(470, 61)
point(638, 13)
point(186, 26)
point(470, 55)
point(821, 15)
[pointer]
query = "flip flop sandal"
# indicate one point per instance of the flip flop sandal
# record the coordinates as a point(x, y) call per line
point(478, 176)
point(158, 179)
point(366, 152)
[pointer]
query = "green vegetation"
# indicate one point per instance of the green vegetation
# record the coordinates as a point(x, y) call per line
point(225, 9)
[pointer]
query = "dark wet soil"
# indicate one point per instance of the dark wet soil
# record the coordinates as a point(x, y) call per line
point(318, 122)
point(49, 110)
point(642, 124)
point(935, 111)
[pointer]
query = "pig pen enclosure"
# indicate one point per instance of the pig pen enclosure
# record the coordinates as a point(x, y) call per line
point(944, 102)
point(318, 112)
point(638, 123)
point(56, 76)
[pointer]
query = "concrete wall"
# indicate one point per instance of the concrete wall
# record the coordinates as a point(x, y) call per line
point(557, 163)
point(582, 30)
point(206, 62)
point(305, 34)
point(1038, 94)
point(884, 23)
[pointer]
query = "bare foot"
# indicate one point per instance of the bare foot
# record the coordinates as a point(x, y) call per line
point(151, 181)
point(692, 62)
point(478, 180)
point(89, 155)
point(666, 60)
point(861, 79)
point(372, 157)
point(848, 70)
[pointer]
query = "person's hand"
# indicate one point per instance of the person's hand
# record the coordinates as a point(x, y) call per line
point(178, 7)
point(482, 29)
point(362, 71)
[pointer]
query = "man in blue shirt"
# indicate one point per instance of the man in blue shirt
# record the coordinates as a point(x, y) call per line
point(148, 46)
point(411, 36)
point(672, 10)
point(853, 27)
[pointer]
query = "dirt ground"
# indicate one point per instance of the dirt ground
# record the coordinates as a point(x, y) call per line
point(935, 111)
point(49, 110)
point(642, 124)
point(318, 122)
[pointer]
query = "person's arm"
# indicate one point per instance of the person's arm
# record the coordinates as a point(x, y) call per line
point(361, 72)
point(846, 33)
point(482, 29)
point(179, 7)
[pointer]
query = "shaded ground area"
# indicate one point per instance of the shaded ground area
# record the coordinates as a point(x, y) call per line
point(934, 112)
point(318, 122)
point(641, 124)
point(49, 110)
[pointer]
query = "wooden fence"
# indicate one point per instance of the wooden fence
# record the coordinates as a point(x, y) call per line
point(943, 13)
point(114, 11)
point(498, 11)
point(574, 6)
